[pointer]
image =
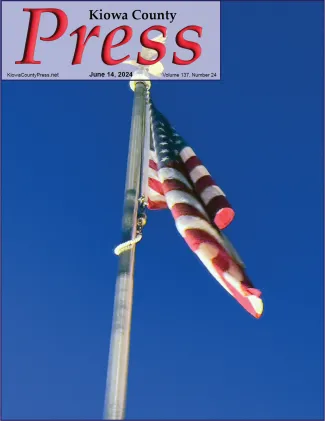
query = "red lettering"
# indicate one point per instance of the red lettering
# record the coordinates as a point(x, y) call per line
point(34, 21)
point(81, 41)
point(153, 45)
point(107, 46)
point(188, 45)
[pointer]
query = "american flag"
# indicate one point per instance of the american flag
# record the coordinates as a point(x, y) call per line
point(177, 180)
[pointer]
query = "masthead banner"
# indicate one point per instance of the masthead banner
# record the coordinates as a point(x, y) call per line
point(111, 40)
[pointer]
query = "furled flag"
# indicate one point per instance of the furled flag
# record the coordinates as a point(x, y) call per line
point(177, 180)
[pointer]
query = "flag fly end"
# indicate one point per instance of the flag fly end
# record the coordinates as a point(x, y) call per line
point(224, 218)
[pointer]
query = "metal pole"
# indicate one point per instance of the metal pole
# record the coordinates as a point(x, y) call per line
point(117, 375)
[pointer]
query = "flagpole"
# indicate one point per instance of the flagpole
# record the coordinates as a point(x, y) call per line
point(117, 374)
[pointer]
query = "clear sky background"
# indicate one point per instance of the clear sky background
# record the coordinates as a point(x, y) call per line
point(195, 353)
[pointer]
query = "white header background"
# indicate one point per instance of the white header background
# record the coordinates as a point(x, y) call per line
point(56, 56)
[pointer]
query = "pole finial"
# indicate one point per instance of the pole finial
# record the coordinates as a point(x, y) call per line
point(141, 76)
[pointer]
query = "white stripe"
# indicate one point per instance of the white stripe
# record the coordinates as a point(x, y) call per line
point(235, 272)
point(175, 196)
point(210, 192)
point(198, 172)
point(187, 153)
point(209, 265)
point(257, 303)
point(233, 282)
point(210, 251)
point(172, 173)
point(153, 174)
point(155, 197)
point(206, 252)
point(153, 156)
point(194, 222)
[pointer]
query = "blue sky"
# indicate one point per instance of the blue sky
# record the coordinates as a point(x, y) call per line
point(195, 353)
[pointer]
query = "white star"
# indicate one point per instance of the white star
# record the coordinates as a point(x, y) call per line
point(165, 159)
point(164, 151)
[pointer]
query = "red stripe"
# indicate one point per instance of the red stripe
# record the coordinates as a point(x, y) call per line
point(184, 209)
point(173, 184)
point(215, 204)
point(222, 261)
point(179, 166)
point(204, 182)
point(152, 205)
point(156, 186)
point(192, 162)
point(153, 165)
point(195, 237)
point(215, 207)
point(255, 292)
